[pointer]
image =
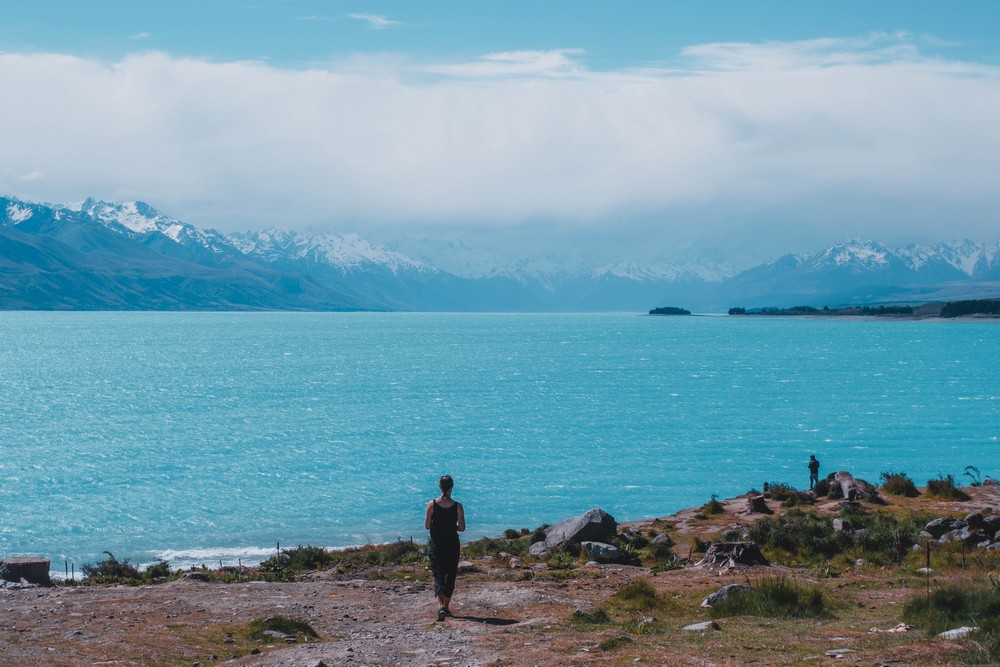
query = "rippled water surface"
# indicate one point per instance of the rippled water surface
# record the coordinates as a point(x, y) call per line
point(213, 436)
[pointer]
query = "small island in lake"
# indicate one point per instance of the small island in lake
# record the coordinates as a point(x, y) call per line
point(669, 310)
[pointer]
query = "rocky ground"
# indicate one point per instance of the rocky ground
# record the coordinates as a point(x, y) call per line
point(504, 616)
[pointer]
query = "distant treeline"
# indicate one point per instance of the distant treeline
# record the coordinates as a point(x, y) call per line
point(826, 311)
point(988, 307)
point(975, 307)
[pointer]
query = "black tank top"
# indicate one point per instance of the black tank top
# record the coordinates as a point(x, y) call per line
point(444, 522)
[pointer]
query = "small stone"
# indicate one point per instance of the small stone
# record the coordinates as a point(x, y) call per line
point(705, 626)
point(957, 633)
point(228, 640)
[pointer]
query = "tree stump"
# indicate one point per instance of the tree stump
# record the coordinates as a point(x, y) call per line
point(758, 505)
point(31, 570)
point(729, 554)
point(851, 489)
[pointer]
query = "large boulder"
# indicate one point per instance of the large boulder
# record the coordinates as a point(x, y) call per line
point(593, 526)
point(22, 568)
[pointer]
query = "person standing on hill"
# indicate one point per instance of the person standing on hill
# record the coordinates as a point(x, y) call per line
point(813, 470)
point(445, 519)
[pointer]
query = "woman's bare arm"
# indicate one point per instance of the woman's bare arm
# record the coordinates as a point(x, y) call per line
point(427, 515)
point(461, 517)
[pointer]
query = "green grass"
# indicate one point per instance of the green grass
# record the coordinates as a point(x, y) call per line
point(774, 597)
point(952, 607)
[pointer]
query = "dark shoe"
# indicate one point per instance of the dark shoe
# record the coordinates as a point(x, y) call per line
point(448, 612)
point(442, 613)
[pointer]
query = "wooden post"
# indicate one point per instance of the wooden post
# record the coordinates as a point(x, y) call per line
point(928, 572)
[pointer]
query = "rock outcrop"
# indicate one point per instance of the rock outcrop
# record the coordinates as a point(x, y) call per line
point(593, 526)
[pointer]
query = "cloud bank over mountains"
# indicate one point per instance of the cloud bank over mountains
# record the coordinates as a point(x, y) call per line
point(812, 141)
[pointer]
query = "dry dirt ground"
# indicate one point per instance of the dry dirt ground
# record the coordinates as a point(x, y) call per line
point(503, 617)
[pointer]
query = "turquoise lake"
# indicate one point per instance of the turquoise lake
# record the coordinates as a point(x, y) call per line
point(202, 437)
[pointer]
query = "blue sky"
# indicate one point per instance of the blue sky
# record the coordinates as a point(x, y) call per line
point(614, 127)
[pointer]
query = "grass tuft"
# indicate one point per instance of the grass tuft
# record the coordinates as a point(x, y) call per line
point(775, 597)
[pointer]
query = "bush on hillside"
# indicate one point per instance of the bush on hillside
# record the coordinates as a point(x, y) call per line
point(898, 484)
point(945, 489)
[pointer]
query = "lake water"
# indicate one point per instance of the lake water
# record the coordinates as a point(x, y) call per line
point(202, 437)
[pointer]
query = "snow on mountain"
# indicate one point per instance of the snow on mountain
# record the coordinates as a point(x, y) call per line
point(345, 252)
point(968, 257)
point(18, 212)
point(137, 218)
point(854, 254)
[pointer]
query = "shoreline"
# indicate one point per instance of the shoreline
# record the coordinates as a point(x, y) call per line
point(507, 612)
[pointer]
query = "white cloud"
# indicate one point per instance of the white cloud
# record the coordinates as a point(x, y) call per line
point(823, 137)
point(140, 36)
point(374, 21)
point(559, 62)
point(32, 176)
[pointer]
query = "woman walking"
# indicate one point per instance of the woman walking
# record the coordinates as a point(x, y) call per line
point(445, 519)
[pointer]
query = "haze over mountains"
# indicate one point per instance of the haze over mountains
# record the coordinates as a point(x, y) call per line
point(128, 256)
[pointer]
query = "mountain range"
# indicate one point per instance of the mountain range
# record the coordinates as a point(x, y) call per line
point(97, 255)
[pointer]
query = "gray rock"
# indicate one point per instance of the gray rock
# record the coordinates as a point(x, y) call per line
point(538, 550)
point(723, 593)
point(663, 538)
point(964, 534)
point(939, 527)
point(957, 633)
point(976, 521)
point(735, 533)
point(602, 551)
point(994, 547)
point(841, 525)
point(593, 526)
point(705, 626)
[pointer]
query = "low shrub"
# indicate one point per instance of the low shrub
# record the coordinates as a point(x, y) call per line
point(775, 597)
point(511, 534)
point(945, 489)
point(878, 537)
point(613, 643)
point(637, 596)
point(158, 570)
point(898, 484)
point(259, 629)
point(780, 491)
point(596, 617)
point(563, 557)
point(713, 506)
point(111, 570)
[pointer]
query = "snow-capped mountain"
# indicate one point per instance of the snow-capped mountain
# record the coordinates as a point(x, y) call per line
point(346, 252)
point(129, 255)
